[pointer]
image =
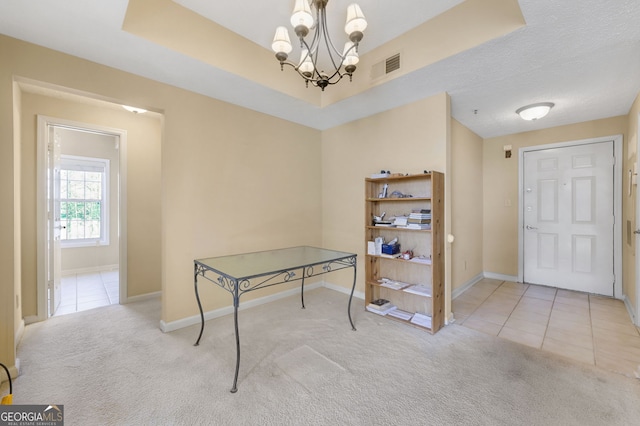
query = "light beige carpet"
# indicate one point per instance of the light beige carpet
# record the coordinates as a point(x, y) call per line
point(114, 366)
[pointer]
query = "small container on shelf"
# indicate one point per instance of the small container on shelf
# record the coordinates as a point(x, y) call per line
point(391, 248)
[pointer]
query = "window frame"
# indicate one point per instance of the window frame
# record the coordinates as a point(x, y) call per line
point(88, 164)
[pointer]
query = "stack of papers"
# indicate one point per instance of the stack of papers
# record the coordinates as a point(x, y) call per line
point(423, 260)
point(381, 311)
point(395, 285)
point(422, 290)
point(399, 313)
point(421, 319)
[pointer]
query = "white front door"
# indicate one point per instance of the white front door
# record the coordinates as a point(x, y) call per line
point(568, 217)
point(54, 224)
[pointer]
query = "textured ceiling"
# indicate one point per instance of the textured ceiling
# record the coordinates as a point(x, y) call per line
point(583, 55)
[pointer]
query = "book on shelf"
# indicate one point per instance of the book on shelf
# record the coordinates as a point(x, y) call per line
point(421, 211)
point(395, 285)
point(399, 313)
point(379, 304)
point(418, 220)
point(381, 311)
point(391, 256)
point(379, 175)
point(387, 223)
point(421, 319)
point(420, 259)
point(401, 221)
point(418, 226)
point(422, 290)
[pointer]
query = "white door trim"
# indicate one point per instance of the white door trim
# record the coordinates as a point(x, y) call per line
point(633, 177)
point(41, 211)
point(617, 204)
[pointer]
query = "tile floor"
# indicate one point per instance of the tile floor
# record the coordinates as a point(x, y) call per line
point(87, 291)
point(596, 330)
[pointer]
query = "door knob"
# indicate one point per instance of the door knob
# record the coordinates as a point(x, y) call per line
point(637, 231)
point(529, 227)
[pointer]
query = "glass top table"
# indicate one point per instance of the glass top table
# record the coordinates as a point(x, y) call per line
point(243, 273)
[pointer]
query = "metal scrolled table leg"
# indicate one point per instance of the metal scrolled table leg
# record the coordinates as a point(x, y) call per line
point(236, 303)
point(353, 287)
point(302, 290)
point(195, 284)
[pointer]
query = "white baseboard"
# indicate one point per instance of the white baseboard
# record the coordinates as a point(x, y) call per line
point(503, 277)
point(19, 333)
point(491, 275)
point(466, 286)
point(449, 320)
point(90, 270)
point(167, 327)
point(14, 371)
point(630, 310)
point(142, 297)
point(31, 319)
point(356, 294)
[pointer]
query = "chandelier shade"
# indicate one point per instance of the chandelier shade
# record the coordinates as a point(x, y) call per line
point(281, 41)
point(355, 20)
point(302, 15)
point(320, 48)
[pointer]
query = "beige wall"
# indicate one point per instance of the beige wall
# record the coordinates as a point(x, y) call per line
point(500, 186)
point(407, 139)
point(233, 181)
point(467, 193)
point(629, 210)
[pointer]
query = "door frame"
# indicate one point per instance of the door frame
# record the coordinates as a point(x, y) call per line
point(617, 203)
point(633, 176)
point(41, 210)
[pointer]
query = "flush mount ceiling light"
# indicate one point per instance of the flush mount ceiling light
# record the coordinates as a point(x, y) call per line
point(134, 109)
point(343, 63)
point(534, 111)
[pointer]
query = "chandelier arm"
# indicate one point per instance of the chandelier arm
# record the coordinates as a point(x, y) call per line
point(314, 60)
point(297, 69)
point(316, 76)
point(315, 41)
point(329, 82)
point(329, 42)
point(310, 54)
point(304, 45)
point(336, 72)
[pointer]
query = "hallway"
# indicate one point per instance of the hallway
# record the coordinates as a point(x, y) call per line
point(81, 292)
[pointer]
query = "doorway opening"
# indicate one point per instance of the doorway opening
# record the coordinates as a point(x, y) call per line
point(81, 216)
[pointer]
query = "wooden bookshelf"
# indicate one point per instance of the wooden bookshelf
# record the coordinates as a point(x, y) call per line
point(416, 192)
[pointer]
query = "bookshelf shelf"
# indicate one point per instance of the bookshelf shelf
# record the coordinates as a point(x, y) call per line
point(397, 200)
point(397, 229)
point(399, 259)
point(421, 198)
point(375, 284)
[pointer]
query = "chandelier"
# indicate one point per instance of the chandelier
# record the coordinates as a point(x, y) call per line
point(303, 22)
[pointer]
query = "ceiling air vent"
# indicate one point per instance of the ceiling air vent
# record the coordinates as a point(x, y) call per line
point(385, 67)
